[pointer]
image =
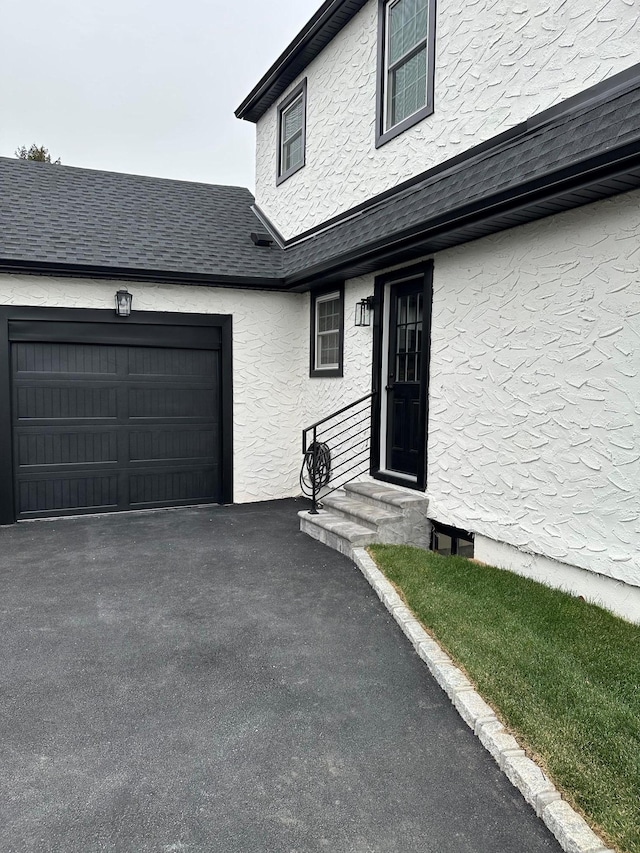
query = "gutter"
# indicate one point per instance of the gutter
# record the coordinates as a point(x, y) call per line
point(8, 265)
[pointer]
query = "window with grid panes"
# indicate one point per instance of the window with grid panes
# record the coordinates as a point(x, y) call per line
point(291, 133)
point(409, 338)
point(328, 332)
point(407, 64)
point(327, 311)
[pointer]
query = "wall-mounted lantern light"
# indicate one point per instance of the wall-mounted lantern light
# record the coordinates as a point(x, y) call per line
point(363, 311)
point(123, 303)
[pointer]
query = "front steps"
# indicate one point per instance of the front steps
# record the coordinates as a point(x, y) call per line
point(366, 512)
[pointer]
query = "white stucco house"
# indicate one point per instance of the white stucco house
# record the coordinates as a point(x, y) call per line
point(464, 176)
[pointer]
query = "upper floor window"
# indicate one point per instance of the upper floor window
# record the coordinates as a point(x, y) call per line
point(406, 63)
point(292, 116)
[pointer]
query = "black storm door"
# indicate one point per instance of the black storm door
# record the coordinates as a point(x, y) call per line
point(100, 427)
point(404, 381)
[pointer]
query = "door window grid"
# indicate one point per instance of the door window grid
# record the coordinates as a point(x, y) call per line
point(408, 338)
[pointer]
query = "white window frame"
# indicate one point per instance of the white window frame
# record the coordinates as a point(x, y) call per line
point(335, 368)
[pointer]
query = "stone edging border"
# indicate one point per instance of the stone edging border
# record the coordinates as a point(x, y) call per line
point(571, 830)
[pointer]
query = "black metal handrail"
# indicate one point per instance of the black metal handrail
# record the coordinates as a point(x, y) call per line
point(336, 451)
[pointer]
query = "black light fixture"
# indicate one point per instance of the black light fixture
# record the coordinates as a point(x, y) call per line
point(123, 303)
point(363, 311)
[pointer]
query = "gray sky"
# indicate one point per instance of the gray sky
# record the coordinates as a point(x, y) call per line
point(141, 86)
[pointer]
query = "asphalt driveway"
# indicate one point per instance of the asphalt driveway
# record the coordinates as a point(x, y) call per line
point(211, 680)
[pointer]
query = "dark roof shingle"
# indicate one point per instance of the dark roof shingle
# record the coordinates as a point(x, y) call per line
point(64, 215)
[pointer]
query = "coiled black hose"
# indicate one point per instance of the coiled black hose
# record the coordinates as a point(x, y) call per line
point(316, 466)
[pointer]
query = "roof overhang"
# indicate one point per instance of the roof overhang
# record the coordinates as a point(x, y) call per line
point(585, 183)
point(327, 22)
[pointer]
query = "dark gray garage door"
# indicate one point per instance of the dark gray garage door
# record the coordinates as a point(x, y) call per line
point(102, 427)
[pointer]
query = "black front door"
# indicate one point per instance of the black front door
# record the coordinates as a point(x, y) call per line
point(405, 428)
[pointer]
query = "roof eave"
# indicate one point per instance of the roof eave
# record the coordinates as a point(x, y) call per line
point(10, 265)
point(310, 41)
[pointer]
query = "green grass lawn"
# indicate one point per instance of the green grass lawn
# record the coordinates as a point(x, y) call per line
point(563, 675)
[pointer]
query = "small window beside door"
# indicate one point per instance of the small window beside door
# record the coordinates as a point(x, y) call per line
point(292, 132)
point(327, 333)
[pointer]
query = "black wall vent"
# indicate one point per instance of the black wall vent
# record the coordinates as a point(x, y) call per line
point(262, 238)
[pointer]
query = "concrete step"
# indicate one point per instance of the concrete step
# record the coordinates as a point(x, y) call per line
point(381, 495)
point(360, 512)
point(335, 531)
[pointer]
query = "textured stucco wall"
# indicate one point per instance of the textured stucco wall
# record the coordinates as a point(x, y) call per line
point(498, 62)
point(269, 361)
point(534, 400)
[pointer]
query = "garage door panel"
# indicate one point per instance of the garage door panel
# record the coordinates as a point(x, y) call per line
point(159, 487)
point(87, 492)
point(178, 443)
point(65, 359)
point(65, 402)
point(66, 447)
point(162, 403)
point(152, 362)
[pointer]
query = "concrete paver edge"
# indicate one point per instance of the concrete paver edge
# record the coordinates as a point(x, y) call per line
point(570, 829)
